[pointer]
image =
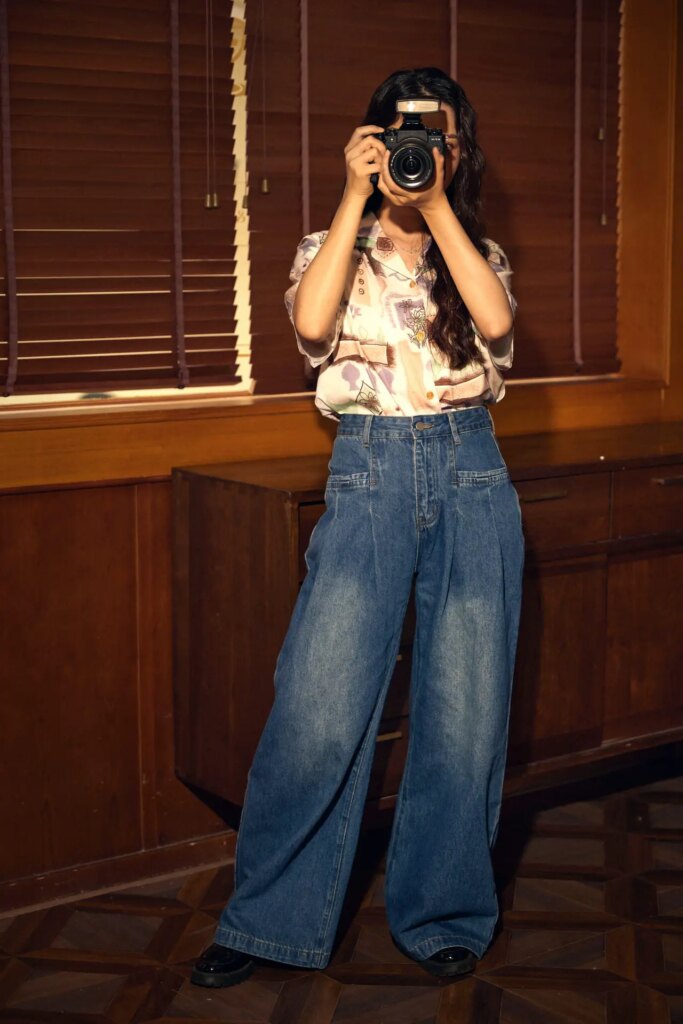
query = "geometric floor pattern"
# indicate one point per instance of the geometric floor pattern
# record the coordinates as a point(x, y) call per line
point(590, 881)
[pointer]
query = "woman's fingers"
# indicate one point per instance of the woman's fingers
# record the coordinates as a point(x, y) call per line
point(360, 133)
point(361, 166)
point(367, 133)
point(370, 146)
point(363, 155)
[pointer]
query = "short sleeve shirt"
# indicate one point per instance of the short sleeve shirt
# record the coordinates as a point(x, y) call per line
point(377, 358)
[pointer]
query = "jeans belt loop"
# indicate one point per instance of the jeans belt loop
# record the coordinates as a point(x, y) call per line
point(366, 430)
point(454, 427)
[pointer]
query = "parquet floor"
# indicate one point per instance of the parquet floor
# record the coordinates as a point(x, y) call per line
point(591, 930)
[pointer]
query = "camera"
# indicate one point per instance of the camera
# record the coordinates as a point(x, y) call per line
point(411, 163)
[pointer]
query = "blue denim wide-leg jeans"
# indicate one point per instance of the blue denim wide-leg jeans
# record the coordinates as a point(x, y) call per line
point(426, 497)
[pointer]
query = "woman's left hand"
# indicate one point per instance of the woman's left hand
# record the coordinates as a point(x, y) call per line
point(423, 198)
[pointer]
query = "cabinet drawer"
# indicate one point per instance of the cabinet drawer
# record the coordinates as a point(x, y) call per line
point(389, 760)
point(565, 510)
point(648, 500)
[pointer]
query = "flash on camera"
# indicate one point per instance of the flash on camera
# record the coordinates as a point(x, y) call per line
point(417, 106)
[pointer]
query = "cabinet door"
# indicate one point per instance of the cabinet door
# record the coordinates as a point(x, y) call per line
point(645, 644)
point(648, 500)
point(557, 696)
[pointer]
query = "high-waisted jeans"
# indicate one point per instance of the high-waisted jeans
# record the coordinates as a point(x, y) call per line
point(425, 499)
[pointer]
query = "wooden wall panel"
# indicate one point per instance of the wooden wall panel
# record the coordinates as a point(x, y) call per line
point(273, 153)
point(363, 44)
point(68, 636)
point(86, 703)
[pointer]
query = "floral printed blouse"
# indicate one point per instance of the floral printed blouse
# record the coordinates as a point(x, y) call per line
point(377, 358)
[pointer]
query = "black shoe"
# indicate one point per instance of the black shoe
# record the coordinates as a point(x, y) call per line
point(219, 966)
point(452, 961)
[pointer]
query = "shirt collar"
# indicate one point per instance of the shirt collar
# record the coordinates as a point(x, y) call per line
point(379, 246)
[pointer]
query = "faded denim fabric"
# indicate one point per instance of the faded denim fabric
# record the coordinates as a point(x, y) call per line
point(425, 498)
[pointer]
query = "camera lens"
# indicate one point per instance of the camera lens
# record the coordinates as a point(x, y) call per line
point(411, 165)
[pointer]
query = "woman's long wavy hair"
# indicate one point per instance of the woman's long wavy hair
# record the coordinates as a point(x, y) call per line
point(451, 330)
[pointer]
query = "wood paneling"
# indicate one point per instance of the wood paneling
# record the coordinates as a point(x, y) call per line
point(645, 644)
point(87, 750)
point(214, 531)
point(170, 811)
point(545, 181)
point(646, 500)
point(558, 687)
point(70, 717)
point(648, 214)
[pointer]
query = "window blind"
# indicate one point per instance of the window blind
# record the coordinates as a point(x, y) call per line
point(544, 80)
point(124, 276)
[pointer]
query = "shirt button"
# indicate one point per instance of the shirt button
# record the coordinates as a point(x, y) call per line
point(361, 291)
point(412, 284)
point(430, 394)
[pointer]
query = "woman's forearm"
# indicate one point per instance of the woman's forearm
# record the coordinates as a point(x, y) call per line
point(321, 287)
point(481, 290)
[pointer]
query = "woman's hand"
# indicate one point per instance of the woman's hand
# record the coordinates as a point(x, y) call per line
point(363, 154)
point(423, 199)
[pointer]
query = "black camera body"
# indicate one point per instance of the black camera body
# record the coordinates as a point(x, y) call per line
point(411, 163)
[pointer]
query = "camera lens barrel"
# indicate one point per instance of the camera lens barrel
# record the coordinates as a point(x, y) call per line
point(411, 164)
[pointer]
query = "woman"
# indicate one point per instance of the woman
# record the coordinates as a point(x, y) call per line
point(407, 309)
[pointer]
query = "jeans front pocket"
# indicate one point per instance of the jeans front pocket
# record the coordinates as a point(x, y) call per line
point(344, 481)
point(350, 466)
point(477, 461)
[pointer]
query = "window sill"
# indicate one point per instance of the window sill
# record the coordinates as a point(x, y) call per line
point(90, 412)
point(98, 411)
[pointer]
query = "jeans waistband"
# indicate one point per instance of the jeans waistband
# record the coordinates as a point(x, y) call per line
point(455, 421)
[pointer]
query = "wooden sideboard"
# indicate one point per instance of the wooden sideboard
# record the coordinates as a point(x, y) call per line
point(600, 655)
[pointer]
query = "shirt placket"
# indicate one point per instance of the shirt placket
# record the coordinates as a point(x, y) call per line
point(390, 257)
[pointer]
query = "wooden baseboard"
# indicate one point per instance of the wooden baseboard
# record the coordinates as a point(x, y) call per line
point(86, 880)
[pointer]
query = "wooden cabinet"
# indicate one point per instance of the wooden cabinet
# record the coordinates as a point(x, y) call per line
point(557, 705)
point(600, 646)
point(643, 691)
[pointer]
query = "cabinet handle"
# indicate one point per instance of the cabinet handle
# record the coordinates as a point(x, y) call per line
point(384, 736)
point(666, 480)
point(548, 496)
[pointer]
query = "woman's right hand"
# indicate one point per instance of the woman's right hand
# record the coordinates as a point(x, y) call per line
point(364, 155)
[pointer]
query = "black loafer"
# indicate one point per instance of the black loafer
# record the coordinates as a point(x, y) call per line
point(450, 962)
point(219, 966)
